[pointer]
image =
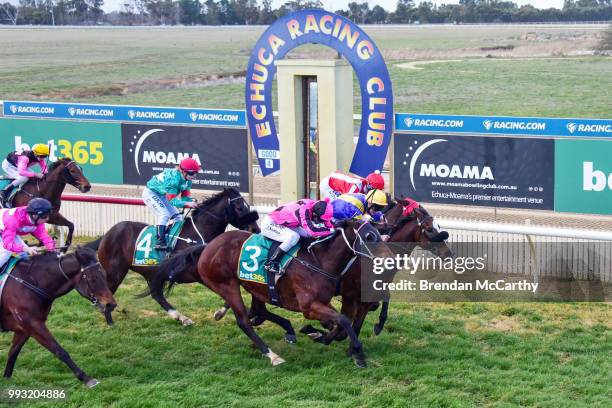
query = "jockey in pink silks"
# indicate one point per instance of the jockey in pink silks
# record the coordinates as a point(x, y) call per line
point(286, 224)
point(18, 221)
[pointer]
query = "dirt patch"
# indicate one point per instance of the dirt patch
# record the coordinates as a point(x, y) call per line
point(120, 89)
point(417, 64)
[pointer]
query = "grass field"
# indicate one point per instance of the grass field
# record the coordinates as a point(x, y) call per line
point(449, 355)
point(550, 71)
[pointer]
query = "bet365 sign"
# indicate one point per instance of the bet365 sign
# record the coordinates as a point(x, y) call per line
point(583, 176)
point(94, 146)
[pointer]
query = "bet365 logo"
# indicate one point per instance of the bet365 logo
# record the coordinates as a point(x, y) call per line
point(594, 180)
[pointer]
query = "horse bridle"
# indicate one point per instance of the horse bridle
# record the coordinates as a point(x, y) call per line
point(41, 292)
point(356, 253)
point(70, 179)
point(91, 297)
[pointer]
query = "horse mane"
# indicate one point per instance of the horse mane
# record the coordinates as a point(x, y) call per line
point(216, 197)
point(54, 165)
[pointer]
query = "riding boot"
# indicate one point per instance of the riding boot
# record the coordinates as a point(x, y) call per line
point(273, 264)
point(6, 192)
point(162, 245)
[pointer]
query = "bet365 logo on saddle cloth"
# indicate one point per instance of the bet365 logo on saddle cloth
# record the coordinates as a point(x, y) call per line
point(145, 253)
point(253, 256)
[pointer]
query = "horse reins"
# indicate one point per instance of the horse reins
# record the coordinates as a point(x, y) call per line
point(44, 294)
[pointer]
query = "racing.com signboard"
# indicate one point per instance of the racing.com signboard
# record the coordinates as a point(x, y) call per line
point(502, 125)
point(117, 113)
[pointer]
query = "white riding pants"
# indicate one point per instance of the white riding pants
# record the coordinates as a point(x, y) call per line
point(160, 206)
point(5, 254)
point(326, 191)
point(285, 235)
point(13, 172)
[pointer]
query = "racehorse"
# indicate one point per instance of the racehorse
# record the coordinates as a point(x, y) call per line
point(51, 186)
point(209, 219)
point(417, 229)
point(29, 293)
point(308, 285)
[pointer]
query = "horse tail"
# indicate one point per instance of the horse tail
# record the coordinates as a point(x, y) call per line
point(174, 266)
point(93, 244)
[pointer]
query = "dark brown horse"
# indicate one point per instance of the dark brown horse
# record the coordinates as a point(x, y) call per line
point(51, 186)
point(308, 285)
point(417, 229)
point(209, 219)
point(29, 294)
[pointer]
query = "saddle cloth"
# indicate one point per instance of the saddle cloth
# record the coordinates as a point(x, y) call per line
point(145, 253)
point(253, 256)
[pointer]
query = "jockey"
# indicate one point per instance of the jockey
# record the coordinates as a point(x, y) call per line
point(339, 183)
point(162, 192)
point(360, 206)
point(306, 218)
point(22, 221)
point(16, 166)
point(377, 200)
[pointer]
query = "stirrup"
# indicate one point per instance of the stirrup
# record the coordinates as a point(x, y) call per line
point(273, 266)
point(161, 247)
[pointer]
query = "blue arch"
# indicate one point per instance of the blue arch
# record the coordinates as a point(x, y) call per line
point(329, 29)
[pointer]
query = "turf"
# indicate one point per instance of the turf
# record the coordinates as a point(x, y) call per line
point(430, 355)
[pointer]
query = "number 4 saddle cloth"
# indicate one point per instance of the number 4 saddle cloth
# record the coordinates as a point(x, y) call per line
point(145, 253)
point(254, 255)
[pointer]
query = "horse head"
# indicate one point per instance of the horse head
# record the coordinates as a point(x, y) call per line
point(418, 227)
point(69, 172)
point(359, 237)
point(229, 206)
point(92, 281)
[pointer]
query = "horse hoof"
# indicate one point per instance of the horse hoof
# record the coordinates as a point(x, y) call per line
point(277, 361)
point(290, 338)
point(92, 383)
point(219, 314)
point(186, 321)
point(360, 362)
point(377, 329)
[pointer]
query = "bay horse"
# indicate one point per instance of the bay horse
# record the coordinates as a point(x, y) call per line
point(30, 291)
point(51, 186)
point(417, 229)
point(308, 285)
point(209, 219)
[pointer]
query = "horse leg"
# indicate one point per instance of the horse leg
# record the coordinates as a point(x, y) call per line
point(231, 294)
point(382, 318)
point(42, 334)
point(159, 297)
point(19, 339)
point(323, 312)
point(59, 220)
point(221, 312)
point(259, 310)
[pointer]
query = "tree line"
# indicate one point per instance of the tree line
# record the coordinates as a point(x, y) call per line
point(249, 12)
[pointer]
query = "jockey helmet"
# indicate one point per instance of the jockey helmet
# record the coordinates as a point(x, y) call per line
point(377, 197)
point(375, 180)
point(323, 209)
point(39, 206)
point(189, 165)
point(40, 149)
